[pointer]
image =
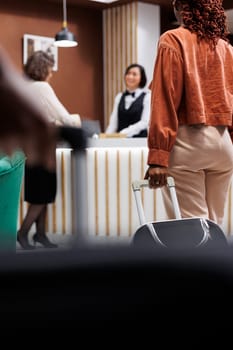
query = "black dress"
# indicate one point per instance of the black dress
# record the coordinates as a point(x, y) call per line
point(40, 185)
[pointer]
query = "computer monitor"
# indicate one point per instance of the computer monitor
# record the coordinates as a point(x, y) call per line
point(91, 127)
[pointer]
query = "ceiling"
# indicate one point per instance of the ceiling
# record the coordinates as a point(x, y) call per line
point(227, 4)
point(90, 4)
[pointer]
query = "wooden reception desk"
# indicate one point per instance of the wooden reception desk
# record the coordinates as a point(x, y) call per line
point(112, 165)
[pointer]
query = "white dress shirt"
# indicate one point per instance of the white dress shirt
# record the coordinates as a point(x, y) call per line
point(135, 128)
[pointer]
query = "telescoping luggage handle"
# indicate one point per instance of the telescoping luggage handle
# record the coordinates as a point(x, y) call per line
point(138, 184)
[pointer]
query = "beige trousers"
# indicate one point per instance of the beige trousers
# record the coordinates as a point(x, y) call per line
point(201, 163)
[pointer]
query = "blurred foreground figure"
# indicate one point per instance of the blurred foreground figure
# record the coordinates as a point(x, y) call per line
point(22, 119)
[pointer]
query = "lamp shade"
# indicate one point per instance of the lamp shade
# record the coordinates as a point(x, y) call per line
point(65, 38)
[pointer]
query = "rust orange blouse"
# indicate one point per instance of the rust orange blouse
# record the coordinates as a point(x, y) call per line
point(191, 84)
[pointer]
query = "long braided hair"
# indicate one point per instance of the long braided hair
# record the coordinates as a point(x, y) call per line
point(204, 17)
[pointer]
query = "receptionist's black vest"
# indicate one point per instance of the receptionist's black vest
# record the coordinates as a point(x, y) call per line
point(132, 115)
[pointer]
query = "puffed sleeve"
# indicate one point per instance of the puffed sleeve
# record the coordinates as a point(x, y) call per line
point(166, 93)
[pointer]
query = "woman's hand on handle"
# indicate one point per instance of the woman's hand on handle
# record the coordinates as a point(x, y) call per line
point(156, 175)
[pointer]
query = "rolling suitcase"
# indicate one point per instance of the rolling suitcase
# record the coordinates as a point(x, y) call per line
point(178, 233)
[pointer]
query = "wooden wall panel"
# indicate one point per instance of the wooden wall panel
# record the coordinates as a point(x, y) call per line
point(120, 50)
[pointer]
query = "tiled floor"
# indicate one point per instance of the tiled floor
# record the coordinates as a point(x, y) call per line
point(63, 242)
point(66, 241)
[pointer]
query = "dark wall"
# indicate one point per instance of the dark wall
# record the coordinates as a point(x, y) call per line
point(168, 19)
point(78, 82)
point(231, 38)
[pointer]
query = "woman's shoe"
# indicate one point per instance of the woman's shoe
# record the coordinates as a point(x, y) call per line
point(43, 239)
point(23, 241)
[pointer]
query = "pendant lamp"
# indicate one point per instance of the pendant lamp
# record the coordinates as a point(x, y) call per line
point(65, 38)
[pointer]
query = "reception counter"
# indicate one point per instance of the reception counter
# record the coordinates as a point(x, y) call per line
point(111, 166)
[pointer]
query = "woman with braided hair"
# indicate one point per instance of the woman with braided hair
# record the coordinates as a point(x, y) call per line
point(192, 109)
